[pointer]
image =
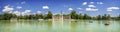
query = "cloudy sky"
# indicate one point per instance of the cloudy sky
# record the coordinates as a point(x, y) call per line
point(90, 7)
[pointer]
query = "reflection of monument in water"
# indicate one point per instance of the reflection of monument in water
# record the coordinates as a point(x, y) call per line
point(107, 23)
point(60, 17)
point(58, 20)
point(13, 20)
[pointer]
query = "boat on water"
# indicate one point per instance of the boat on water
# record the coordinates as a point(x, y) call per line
point(107, 23)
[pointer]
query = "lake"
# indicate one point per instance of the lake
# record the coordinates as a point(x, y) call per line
point(59, 26)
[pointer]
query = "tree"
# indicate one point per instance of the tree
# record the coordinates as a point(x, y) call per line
point(48, 16)
point(57, 15)
point(7, 16)
point(1, 17)
point(104, 17)
point(118, 17)
point(30, 17)
point(108, 17)
point(73, 15)
point(99, 17)
point(80, 16)
point(38, 16)
point(21, 17)
point(86, 16)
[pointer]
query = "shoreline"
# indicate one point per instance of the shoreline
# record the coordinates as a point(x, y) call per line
point(56, 20)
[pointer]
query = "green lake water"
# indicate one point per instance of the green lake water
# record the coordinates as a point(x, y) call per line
point(59, 26)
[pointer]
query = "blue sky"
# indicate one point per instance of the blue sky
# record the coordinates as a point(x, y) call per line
point(90, 7)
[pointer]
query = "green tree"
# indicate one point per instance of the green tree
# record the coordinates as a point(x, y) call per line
point(48, 16)
point(21, 17)
point(104, 17)
point(86, 16)
point(99, 17)
point(30, 17)
point(118, 17)
point(57, 15)
point(80, 16)
point(38, 16)
point(1, 17)
point(108, 17)
point(8, 16)
point(73, 15)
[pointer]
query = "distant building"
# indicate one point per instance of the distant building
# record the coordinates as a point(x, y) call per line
point(54, 17)
point(13, 19)
point(60, 17)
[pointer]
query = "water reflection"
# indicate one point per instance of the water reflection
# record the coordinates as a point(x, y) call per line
point(58, 26)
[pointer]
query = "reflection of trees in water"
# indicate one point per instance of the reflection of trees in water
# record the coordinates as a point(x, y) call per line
point(113, 26)
point(73, 25)
point(42, 25)
point(7, 26)
point(49, 24)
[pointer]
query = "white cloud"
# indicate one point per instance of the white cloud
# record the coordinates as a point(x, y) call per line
point(91, 9)
point(70, 9)
point(22, 13)
point(109, 10)
point(10, 12)
point(84, 3)
point(38, 12)
point(45, 7)
point(18, 7)
point(79, 8)
point(17, 13)
point(91, 2)
point(91, 6)
point(99, 2)
point(112, 8)
point(7, 9)
point(23, 2)
point(27, 11)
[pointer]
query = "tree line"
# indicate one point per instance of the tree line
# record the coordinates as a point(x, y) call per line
point(73, 15)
